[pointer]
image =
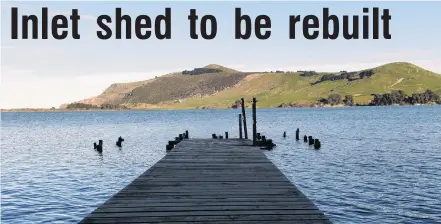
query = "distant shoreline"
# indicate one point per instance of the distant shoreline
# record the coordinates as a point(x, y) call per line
point(109, 110)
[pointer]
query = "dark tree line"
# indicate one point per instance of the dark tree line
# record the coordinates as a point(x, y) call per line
point(307, 73)
point(277, 71)
point(112, 107)
point(81, 106)
point(399, 97)
point(199, 71)
point(366, 74)
point(386, 99)
point(84, 106)
point(350, 76)
point(335, 99)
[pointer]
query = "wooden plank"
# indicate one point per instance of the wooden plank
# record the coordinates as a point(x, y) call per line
point(146, 203)
point(203, 213)
point(223, 219)
point(206, 180)
point(223, 222)
point(186, 197)
point(237, 200)
point(216, 208)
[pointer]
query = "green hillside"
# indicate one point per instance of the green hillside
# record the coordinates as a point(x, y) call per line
point(273, 89)
point(221, 87)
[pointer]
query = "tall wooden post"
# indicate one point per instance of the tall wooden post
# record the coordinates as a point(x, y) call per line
point(254, 122)
point(240, 126)
point(244, 119)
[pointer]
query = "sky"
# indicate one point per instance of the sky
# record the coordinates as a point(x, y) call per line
point(48, 73)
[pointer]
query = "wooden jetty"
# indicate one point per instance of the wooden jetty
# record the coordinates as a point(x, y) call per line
point(210, 181)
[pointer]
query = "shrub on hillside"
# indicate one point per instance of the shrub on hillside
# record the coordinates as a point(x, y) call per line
point(307, 73)
point(85, 106)
point(349, 100)
point(199, 71)
point(350, 76)
point(332, 99)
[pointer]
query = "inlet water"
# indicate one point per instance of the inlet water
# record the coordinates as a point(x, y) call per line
point(375, 165)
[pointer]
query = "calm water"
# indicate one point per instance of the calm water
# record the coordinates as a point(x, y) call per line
point(376, 165)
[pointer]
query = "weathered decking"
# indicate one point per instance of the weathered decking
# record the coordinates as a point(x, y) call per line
point(206, 181)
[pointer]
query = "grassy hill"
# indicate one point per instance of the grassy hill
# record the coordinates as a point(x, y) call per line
point(180, 87)
point(220, 89)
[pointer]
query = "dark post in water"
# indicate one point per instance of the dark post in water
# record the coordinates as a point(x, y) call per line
point(119, 142)
point(98, 147)
point(226, 135)
point(254, 122)
point(317, 144)
point(311, 140)
point(244, 119)
point(186, 134)
point(240, 126)
point(297, 134)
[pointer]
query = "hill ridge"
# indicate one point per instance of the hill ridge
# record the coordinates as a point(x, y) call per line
point(221, 88)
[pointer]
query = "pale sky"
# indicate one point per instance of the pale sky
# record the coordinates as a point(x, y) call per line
point(46, 73)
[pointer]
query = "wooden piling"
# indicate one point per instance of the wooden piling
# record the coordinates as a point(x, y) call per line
point(98, 147)
point(311, 140)
point(297, 134)
point(317, 144)
point(186, 134)
point(119, 142)
point(254, 122)
point(305, 139)
point(240, 126)
point(269, 144)
point(284, 134)
point(181, 136)
point(226, 135)
point(245, 131)
point(259, 136)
